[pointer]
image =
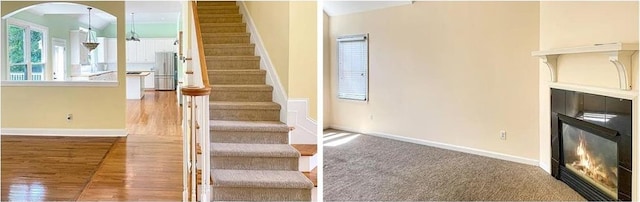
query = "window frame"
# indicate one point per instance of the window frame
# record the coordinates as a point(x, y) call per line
point(28, 27)
point(351, 38)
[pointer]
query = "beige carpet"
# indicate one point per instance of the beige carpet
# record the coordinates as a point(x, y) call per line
point(379, 169)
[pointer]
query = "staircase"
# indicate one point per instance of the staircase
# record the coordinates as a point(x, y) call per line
point(250, 155)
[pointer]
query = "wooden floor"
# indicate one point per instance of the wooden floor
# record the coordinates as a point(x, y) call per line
point(146, 165)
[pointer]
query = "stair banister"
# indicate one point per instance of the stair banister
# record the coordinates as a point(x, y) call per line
point(196, 115)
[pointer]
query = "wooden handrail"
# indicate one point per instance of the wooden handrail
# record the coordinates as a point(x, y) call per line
point(196, 91)
point(193, 90)
point(203, 60)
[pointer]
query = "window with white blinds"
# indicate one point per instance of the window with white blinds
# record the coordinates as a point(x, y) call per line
point(353, 67)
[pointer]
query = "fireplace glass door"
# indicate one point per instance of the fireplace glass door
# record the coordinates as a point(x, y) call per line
point(593, 158)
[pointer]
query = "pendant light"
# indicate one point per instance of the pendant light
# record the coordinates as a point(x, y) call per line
point(133, 36)
point(91, 42)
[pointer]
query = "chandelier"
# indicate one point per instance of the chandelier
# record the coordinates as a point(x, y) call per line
point(91, 42)
point(133, 36)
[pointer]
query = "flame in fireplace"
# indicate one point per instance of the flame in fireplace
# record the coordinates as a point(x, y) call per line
point(585, 160)
point(593, 168)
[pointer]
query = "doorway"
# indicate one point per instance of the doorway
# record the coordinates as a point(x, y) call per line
point(59, 59)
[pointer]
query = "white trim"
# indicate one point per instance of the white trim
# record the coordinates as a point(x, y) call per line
point(64, 132)
point(305, 128)
point(545, 167)
point(60, 83)
point(308, 163)
point(279, 94)
point(338, 127)
point(469, 150)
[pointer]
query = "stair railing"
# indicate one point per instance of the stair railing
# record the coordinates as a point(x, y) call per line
point(195, 116)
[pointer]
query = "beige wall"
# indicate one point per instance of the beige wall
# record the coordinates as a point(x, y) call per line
point(289, 33)
point(449, 72)
point(326, 72)
point(567, 24)
point(47, 107)
point(271, 18)
point(303, 53)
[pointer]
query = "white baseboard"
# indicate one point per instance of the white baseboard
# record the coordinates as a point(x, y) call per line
point(545, 167)
point(480, 152)
point(338, 127)
point(279, 95)
point(64, 132)
point(305, 128)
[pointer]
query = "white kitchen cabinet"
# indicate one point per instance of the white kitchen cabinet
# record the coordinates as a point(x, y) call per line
point(145, 50)
point(101, 50)
point(148, 51)
point(149, 81)
point(132, 49)
point(112, 50)
point(79, 54)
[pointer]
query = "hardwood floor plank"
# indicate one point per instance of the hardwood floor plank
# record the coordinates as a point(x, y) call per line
point(49, 168)
point(147, 165)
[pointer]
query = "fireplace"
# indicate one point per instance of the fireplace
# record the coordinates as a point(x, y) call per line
point(591, 144)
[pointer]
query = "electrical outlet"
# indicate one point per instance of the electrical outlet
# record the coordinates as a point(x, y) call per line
point(503, 135)
point(69, 117)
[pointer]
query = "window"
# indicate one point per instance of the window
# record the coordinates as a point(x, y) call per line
point(26, 50)
point(353, 67)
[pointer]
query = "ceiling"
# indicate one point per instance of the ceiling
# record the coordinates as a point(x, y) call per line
point(145, 12)
point(335, 8)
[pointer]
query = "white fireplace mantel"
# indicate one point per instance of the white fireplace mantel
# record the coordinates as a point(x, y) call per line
point(619, 54)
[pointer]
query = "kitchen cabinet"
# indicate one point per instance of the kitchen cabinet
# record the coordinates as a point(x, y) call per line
point(135, 85)
point(144, 51)
point(149, 81)
point(79, 54)
point(132, 49)
point(112, 50)
point(101, 50)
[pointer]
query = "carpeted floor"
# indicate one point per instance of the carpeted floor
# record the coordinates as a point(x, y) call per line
point(372, 168)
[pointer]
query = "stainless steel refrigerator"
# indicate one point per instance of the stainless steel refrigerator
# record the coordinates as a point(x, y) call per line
point(165, 71)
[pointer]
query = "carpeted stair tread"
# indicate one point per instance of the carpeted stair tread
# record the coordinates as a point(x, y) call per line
point(253, 150)
point(260, 179)
point(228, 45)
point(251, 88)
point(232, 57)
point(207, 3)
point(257, 126)
point(238, 71)
point(218, 7)
point(220, 24)
point(243, 105)
point(226, 34)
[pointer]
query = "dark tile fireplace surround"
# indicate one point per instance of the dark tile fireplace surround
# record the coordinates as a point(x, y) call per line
point(591, 144)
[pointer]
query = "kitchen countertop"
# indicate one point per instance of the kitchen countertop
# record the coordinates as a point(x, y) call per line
point(93, 73)
point(139, 73)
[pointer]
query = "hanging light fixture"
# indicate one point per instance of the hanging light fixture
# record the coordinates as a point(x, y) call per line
point(133, 36)
point(91, 42)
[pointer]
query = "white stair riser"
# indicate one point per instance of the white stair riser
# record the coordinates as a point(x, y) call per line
point(308, 163)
